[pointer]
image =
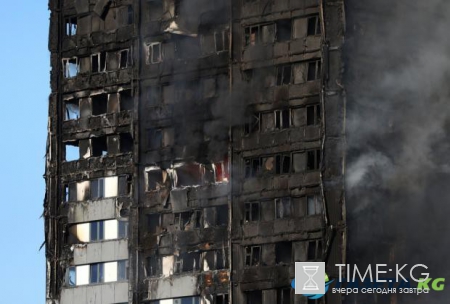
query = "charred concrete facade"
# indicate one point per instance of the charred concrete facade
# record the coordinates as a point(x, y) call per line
point(195, 149)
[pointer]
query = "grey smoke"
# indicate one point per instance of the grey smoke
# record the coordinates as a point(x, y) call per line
point(398, 177)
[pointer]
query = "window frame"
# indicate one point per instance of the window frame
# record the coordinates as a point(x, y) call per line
point(281, 295)
point(224, 36)
point(281, 74)
point(317, 26)
point(122, 270)
point(100, 56)
point(100, 188)
point(250, 255)
point(100, 272)
point(248, 209)
point(317, 161)
point(150, 52)
point(279, 115)
point(66, 67)
point(316, 115)
point(316, 251)
point(258, 36)
point(122, 229)
point(71, 273)
point(100, 231)
point(317, 204)
point(282, 200)
point(128, 58)
point(317, 63)
point(68, 28)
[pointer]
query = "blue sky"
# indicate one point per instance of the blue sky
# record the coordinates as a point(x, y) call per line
point(24, 87)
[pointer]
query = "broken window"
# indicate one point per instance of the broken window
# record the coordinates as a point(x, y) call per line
point(97, 231)
point(257, 34)
point(314, 250)
point(122, 228)
point(252, 255)
point(154, 266)
point(130, 14)
point(284, 296)
point(284, 30)
point(252, 212)
point(284, 74)
point(153, 222)
point(70, 67)
point(122, 270)
point(314, 204)
point(71, 196)
point(177, 7)
point(313, 115)
point(126, 100)
point(189, 175)
point(154, 178)
point(314, 27)
point(252, 167)
point(98, 62)
point(99, 146)
point(126, 143)
point(209, 259)
point(72, 109)
point(181, 219)
point(154, 52)
point(71, 276)
point(99, 104)
point(71, 26)
point(221, 259)
point(278, 164)
point(215, 260)
point(254, 297)
point(283, 208)
point(221, 170)
point(96, 273)
point(313, 160)
point(222, 215)
point(283, 252)
point(72, 151)
point(221, 299)
point(125, 182)
point(221, 40)
point(252, 125)
point(314, 70)
point(187, 262)
point(124, 59)
point(282, 119)
point(282, 164)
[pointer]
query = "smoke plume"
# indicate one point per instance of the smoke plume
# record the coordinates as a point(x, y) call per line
point(397, 59)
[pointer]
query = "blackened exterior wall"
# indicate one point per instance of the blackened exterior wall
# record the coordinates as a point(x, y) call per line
point(216, 129)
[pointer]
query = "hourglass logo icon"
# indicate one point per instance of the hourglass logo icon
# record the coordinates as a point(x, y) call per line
point(310, 278)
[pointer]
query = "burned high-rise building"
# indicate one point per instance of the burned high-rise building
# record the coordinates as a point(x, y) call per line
point(196, 150)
